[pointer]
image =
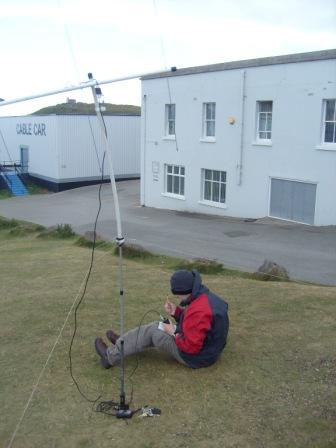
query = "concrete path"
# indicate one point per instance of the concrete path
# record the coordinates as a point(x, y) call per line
point(308, 253)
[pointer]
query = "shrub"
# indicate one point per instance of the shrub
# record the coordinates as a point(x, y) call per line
point(62, 231)
point(201, 265)
point(134, 251)
point(18, 228)
point(25, 229)
point(8, 223)
point(65, 231)
point(82, 241)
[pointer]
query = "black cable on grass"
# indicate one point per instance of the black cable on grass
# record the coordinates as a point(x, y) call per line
point(85, 286)
point(105, 407)
point(109, 407)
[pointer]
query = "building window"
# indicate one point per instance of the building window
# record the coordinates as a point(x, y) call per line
point(175, 175)
point(329, 121)
point(170, 119)
point(264, 120)
point(209, 120)
point(214, 186)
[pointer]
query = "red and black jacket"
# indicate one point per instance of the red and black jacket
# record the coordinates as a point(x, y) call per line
point(202, 327)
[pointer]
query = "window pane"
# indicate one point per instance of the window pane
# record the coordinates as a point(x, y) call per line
point(211, 111)
point(210, 128)
point(176, 185)
point(171, 128)
point(262, 122)
point(214, 187)
point(265, 106)
point(265, 119)
point(208, 111)
point(213, 128)
point(170, 111)
point(170, 119)
point(330, 110)
point(182, 186)
point(169, 184)
point(207, 174)
point(216, 175)
point(329, 136)
point(207, 191)
point(215, 191)
point(222, 193)
point(182, 171)
point(176, 169)
point(269, 122)
point(169, 168)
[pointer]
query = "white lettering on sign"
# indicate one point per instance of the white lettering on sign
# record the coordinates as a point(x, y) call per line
point(31, 129)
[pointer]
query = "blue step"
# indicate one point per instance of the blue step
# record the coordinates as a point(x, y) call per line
point(15, 184)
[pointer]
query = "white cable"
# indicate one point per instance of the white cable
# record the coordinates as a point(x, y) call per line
point(68, 39)
point(165, 64)
point(48, 359)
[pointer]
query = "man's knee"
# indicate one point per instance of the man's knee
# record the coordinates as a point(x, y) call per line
point(160, 338)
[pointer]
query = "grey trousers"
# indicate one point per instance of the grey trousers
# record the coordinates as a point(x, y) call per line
point(140, 338)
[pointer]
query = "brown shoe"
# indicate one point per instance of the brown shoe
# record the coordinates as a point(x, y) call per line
point(101, 348)
point(112, 336)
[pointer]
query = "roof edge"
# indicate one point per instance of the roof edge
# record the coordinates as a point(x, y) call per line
point(247, 63)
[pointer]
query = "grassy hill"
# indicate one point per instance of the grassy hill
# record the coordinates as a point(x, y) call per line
point(274, 385)
point(88, 109)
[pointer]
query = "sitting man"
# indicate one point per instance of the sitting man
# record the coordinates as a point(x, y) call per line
point(197, 339)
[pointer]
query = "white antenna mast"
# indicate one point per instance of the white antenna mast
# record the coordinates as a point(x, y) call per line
point(82, 85)
point(122, 409)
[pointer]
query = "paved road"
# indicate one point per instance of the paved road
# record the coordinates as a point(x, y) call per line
point(308, 253)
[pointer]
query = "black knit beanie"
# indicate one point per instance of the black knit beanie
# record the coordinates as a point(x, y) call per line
point(182, 282)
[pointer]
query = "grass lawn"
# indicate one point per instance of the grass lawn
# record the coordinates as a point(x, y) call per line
point(274, 385)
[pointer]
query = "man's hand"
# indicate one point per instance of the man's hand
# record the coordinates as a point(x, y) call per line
point(170, 307)
point(169, 329)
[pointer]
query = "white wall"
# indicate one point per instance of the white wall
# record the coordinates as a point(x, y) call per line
point(82, 136)
point(69, 146)
point(297, 91)
point(38, 134)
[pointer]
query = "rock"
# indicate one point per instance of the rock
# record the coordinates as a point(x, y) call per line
point(271, 271)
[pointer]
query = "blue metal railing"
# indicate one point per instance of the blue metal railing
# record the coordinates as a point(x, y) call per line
point(9, 167)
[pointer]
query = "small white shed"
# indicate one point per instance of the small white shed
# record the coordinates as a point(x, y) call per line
point(66, 151)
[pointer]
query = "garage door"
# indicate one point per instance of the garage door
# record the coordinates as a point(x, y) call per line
point(293, 200)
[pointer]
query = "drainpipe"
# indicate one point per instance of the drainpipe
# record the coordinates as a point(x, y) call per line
point(242, 115)
point(143, 151)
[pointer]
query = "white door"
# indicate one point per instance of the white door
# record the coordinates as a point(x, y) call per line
point(293, 200)
point(24, 158)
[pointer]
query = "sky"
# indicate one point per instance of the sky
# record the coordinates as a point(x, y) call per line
point(53, 44)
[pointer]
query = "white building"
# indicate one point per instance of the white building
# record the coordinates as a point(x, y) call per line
point(65, 151)
point(246, 139)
